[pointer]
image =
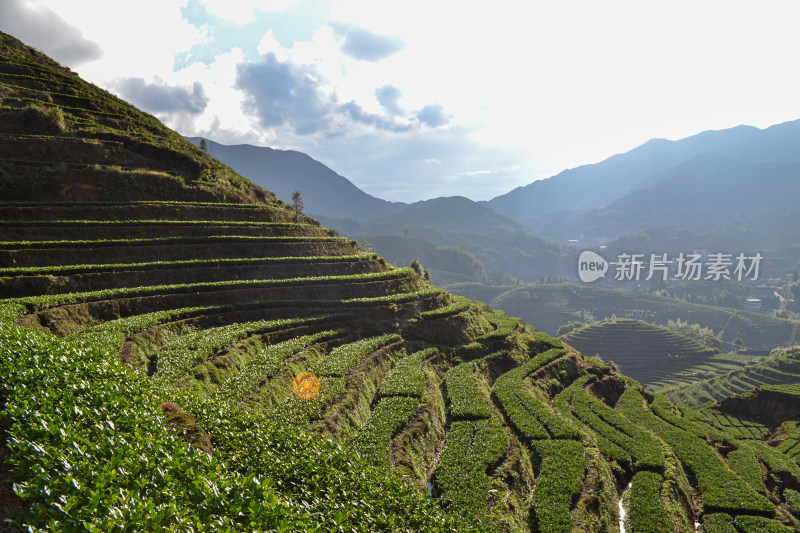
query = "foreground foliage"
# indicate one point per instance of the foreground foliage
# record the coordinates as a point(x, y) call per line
point(92, 453)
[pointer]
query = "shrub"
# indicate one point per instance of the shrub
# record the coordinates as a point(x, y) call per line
point(460, 478)
point(744, 462)
point(388, 417)
point(718, 523)
point(559, 479)
point(407, 378)
point(465, 400)
point(647, 511)
point(92, 454)
point(531, 418)
point(720, 488)
point(759, 524)
point(343, 358)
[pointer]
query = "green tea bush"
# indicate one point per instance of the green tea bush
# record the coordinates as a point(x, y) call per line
point(532, 419)
point(343, 358)
point(333, 484)
point(662, 408)
point(90, 453)
point(564, 403)
point(792, 498)
point(460, 478)
point(156, 265)
point(760, 524)
point(176, 358)
point(298, 412)
point(721, 489)
point(744, 462)
point(406, 378)
point(609, 441)
point(643, 447)
point(398, 297)
point(458, 305)
point(266, 363)
point(718, 523)
point(388, 417)
point(774, 460)
point(112, 334)
point(647, 512)
point(503, 324)
point(560, 478)
point(155, 241)
point(465, 401)
point(52, 300)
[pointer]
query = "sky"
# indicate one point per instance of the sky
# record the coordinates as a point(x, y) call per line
point(418, 99)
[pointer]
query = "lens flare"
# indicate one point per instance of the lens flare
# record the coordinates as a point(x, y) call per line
point(306, 385)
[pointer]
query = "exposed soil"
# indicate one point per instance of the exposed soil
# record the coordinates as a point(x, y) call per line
point(768, 407)
point(608, 388)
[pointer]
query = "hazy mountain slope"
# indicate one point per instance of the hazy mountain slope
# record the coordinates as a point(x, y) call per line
point(594, 185)
point(495, 240)
point(702, 196)
point(453, 213)
point(440, 215)
point(284, 171)
point(443, 261)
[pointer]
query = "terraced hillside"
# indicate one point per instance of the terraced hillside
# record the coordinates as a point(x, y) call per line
point(64, 139)
point(636, 346)
point(550, 306)
point(640, 350)
point(153, 344)
point(780, 368)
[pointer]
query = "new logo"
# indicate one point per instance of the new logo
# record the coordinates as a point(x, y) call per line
point(591, 266)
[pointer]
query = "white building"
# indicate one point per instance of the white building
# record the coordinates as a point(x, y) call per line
point(752, 304)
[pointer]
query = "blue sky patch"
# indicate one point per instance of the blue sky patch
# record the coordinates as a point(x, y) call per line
point(290, 26)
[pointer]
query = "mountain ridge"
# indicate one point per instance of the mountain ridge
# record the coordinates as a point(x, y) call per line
point(324, 191)
point(593, 185)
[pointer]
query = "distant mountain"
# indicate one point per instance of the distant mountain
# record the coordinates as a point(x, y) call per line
point(447, 264)
point(498, 242)
point(430, 218)
point(452, 213)
point(284, 171)
point(700, 194)
point(592, 186)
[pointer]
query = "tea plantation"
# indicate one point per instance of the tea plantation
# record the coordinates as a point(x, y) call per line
point(155, 309)
point(551, 305)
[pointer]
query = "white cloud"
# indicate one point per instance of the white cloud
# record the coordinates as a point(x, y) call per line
point(138, 40)
point(39, 26)
point(243, 11)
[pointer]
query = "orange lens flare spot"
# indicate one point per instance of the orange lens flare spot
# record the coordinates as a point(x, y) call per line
point(306, 385)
